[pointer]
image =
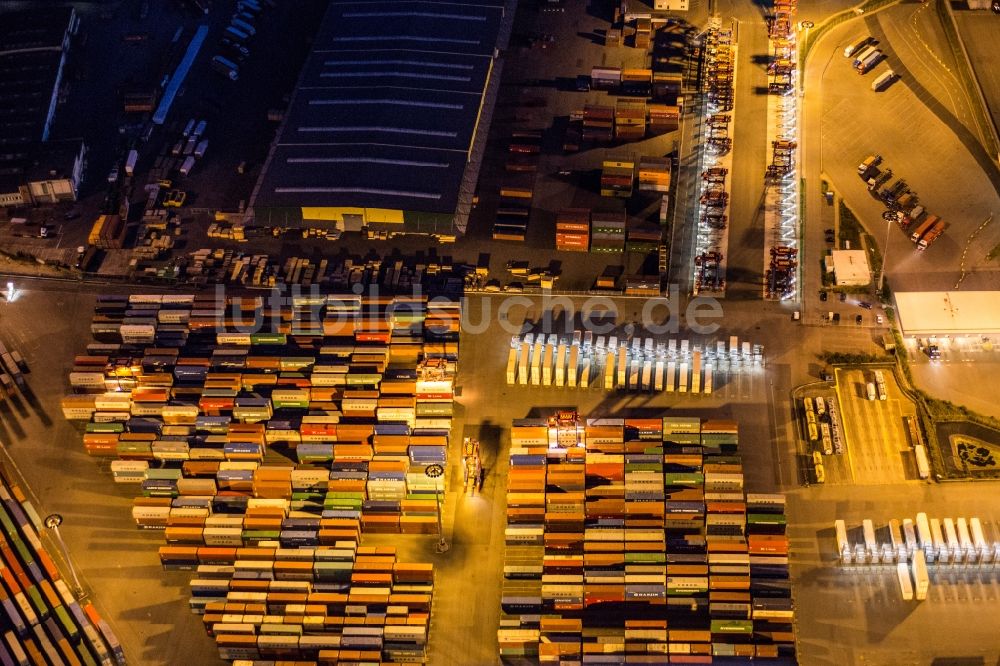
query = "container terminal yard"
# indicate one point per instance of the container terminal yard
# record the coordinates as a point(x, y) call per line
point(552, 332)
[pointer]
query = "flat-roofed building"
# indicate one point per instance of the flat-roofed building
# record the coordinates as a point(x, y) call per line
point(383, 127)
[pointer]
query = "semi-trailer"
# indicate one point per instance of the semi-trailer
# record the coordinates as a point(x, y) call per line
point(536, 363)
point(609, 370)
point(921, 581)
point(512, 366)
point(923, 464)
point(647, 375)
point(905, 584)
point(573, 369)
point(226, 67)
point(910, 535)
point(682, 380)
point(924, 536)
point(932, 235)
point(622, 365)
point(868, 63)
point(561, 364)
point(871, 545)
point(671, 375)
point(941, 553)
point(658, 383)
point(547, 363)
point(860, 57)
point(133, 157)
point(524, 366)
point(923, 228)
point(843, 545)
point(884, 80)
point(851, 49)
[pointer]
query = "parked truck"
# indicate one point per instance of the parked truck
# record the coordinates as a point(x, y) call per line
point(868, 63)
point(884, 80)
point(856, 48)
point(905, 584)
point(133, 157)
point(226, 67)
point(865, 53)
point(923, 228)
point(868, 163)
point(932, 234)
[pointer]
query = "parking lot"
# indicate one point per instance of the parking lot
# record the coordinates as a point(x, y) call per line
point(858, 616)
point(945, 168)
point(967, 368)
point(876, 442)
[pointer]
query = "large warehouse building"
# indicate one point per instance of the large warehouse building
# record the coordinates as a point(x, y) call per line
point(925, 314)
point(383, 129)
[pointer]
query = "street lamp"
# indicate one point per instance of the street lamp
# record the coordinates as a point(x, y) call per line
point(435, 471)
point(885, 257)
point(53, 521)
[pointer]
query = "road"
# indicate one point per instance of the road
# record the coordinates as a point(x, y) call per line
point(979, 30)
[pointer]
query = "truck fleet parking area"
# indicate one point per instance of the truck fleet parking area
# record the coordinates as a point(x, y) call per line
point(875, 438)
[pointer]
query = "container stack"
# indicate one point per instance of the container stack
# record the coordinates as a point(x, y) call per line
point(605, 78)
point(643, 238)
point(664, 118)
point(654, 174)
point(607, 231)
point(598, 123)
point(41, 618)
point(630, 119)
point(641, 542)
point(108, 232)
point(637, 82)
point(304, 437)
point(643, 33)
point(667, 86)
point(573, 230)
point(330, 604)
point(617, 178)
point(516, 193)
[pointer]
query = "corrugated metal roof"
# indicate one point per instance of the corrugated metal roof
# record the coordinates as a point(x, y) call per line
point(386, 108)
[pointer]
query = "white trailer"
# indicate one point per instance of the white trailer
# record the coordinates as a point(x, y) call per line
point(647, 374)
point(536, 364)
point(921, 581)
point(924, 536)
point(843, 545)
point(941, 553)
point(965, 541)
point(871, 545)
point(573, 368)
point(696, 372)
point(923, 464)
point(910, 535)
point(633, 374)
point(658, 378)
point(672, 348)
point(609, 371)
point(512, 366)
point(898, 541)
point(707, 388)
point(561, 364)
point(983, 549)
point(547, 364)
point(671, 374)
point(133, 157)
point(951, 538)
point(524, 367)
point(682, 385)
point(585, 373)
point(905, 584)
point(622, 366)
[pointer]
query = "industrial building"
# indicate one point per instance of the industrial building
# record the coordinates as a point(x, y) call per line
point(947, 313)
point(385, 126)
point(849, 267)
point(33, 50)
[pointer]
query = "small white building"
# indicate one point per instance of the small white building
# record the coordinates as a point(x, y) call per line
point(849, 267)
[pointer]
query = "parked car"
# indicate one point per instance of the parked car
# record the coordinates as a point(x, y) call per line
point(858, 320)
point(823, 296)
